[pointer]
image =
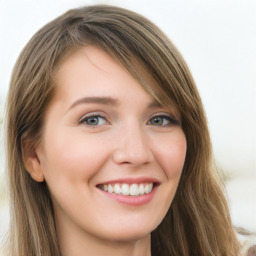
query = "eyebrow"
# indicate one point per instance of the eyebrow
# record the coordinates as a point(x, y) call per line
point(107, 101)
point(96, 100)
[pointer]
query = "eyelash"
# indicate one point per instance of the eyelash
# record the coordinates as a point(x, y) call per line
point(164, 117)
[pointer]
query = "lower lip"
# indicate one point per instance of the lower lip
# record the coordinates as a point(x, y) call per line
point(132, 200)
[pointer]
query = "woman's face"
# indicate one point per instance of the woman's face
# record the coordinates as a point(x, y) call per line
point(111, 155)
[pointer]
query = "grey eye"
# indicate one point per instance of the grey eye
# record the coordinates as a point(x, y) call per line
point(93, 120)
point(162, 120)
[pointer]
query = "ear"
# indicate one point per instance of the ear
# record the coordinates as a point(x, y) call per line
point(31, 160)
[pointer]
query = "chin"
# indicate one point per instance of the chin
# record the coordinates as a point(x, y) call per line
point(132, 233)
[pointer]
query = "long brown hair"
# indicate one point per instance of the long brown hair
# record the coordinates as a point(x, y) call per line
point(198, 221)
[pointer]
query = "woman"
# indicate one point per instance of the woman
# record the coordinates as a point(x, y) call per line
point(111, 146)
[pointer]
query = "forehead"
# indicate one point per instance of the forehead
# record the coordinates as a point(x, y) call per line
point(90, 60)
point(91, 70)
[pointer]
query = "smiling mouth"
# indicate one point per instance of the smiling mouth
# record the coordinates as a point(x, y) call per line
point(128, 189)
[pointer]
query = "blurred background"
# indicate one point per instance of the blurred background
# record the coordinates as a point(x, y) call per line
point(217, 39)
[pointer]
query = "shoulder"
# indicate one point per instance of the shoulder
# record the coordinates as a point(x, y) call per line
point(251, 251)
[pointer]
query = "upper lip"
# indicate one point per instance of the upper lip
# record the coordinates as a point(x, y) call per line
point(132, 180)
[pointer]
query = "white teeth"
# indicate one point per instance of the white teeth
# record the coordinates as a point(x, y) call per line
point(117, 189)
point(148, 188)
point(141, 189)
point(125, 190)
point(128, 190)
point(110, 189)
point(134, 190)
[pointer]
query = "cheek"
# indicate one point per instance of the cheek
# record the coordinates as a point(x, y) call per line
point(171, 154)
point(73, 157)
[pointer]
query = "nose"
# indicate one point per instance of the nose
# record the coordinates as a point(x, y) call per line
point(132, 148)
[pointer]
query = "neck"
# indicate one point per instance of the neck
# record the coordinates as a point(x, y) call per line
point(86, 245)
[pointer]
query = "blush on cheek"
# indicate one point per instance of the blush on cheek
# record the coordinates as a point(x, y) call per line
point(76, 159)
point(174, 160)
